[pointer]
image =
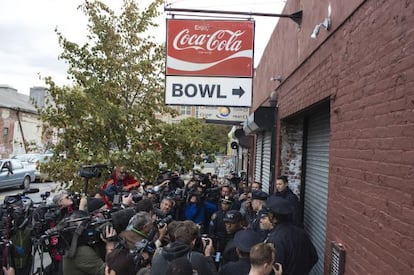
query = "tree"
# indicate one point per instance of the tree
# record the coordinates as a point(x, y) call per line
point(109, 114)
point(191, 137)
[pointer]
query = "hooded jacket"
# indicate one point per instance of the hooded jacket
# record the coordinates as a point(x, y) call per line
point(202, 264)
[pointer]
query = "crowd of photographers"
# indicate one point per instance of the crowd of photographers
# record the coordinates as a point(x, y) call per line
point(127, 227)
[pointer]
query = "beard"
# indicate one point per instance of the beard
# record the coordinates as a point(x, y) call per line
point(266, 227)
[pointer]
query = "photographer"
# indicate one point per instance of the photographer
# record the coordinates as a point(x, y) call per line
point(139, 227)
point(186, 235)
point(195, 209)
point(142, 226)
point(199, 207)
point(120, 262)
point(15, 235)
point(83, 257)
point(166, 207)
point(64, 203)
point(119, 181)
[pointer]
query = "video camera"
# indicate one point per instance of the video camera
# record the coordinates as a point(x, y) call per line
point(161, 222)
point(92, 171)
point(14, 214)
point(141, 247)
point(87, 229)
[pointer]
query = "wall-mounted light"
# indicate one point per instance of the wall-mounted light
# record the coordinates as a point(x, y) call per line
point(273, 98)
point(326, 23)
point(277, 78)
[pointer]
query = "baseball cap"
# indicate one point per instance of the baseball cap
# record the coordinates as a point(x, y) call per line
point(279, 205)
point(245, 239)
point(227, 199)
point(259, 195)
point(232, 216)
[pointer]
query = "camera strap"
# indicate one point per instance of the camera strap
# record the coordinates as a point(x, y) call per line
point(76, 234)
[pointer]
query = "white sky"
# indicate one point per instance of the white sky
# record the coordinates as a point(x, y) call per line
point(29, 45)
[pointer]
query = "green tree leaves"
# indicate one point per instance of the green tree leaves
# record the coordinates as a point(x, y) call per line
point(111, 113)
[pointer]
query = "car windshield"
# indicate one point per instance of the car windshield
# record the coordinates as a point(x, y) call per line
point(42, 158)
point(32, 158)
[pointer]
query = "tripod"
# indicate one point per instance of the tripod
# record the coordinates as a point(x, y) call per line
point(37, 249)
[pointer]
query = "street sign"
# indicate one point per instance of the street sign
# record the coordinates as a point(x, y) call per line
point(209, 91)
point(227, 115)
point(209, 62)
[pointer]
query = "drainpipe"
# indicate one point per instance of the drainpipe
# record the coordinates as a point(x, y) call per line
point(273, 103)
point(21, 129)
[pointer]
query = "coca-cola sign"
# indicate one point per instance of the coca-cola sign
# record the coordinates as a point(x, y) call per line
point(210, 48)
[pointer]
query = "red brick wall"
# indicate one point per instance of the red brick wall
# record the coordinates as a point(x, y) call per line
point(372, 143)
point(6, 142)
point(366, 68)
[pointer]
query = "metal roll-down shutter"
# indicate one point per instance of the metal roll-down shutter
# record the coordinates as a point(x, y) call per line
point(258, 158)
point(316, 183)
point(267, 157)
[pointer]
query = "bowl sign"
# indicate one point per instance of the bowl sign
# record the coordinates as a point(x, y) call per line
point(222, 49)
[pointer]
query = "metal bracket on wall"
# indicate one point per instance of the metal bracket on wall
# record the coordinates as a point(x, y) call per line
point(296, 16)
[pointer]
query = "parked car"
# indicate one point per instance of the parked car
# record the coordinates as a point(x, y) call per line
point(14, 174)
point(33, 160)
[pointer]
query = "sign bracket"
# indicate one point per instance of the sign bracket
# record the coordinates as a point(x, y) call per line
point(296, 16)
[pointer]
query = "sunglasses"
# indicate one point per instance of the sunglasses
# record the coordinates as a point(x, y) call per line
point(64, 197)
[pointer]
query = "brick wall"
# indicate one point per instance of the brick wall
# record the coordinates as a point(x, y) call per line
point(371, 195)
point(291, 153)
point(366, 67)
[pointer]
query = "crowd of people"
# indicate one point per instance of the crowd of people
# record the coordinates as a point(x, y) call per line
point(204, 226)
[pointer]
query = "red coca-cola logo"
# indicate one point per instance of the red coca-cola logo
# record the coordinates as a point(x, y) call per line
point(220, 40)
point(209, 47)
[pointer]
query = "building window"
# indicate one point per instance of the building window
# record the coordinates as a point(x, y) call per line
point(5, 131)
point(185, 110)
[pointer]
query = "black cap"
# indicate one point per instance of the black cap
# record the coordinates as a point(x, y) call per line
point(227, 199)
point(245, 239)
point(279, 205)
point(259, 195)
point(232, 216)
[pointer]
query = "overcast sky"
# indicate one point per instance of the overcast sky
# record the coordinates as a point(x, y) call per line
point(29, 47)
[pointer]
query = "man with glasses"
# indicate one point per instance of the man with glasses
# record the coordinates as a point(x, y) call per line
point(119, 181)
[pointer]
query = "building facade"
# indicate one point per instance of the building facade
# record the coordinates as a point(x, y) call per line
point(343, 103)
point(21, 129)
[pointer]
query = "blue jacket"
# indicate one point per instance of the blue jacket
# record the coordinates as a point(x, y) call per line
point(196, 212)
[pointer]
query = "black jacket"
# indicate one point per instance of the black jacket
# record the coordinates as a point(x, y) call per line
point(229, 252)
point(293, 199)
point(294, 250)
point(204, 265)
point(241, 267)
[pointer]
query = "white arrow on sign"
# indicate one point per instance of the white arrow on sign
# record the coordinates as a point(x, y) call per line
point(208, 91)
